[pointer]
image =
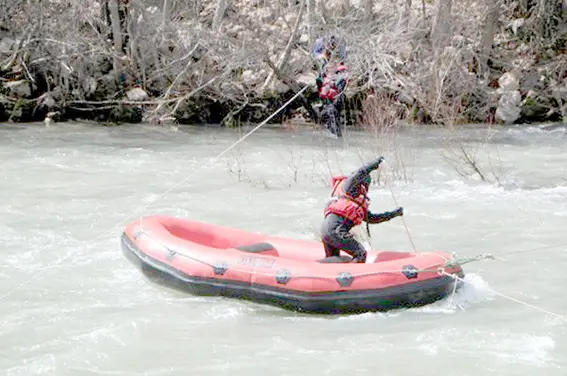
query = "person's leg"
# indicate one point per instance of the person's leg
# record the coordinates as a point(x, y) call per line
point(335, 236)
point(330, 251)
point(328, 237)
point(351, 246)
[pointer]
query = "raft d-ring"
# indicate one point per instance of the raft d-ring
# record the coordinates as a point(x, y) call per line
point(137, 233)
point(170, 254)
point(220, 267)
point(410, 271)
point(345, 279)
point(283, 276)
point(441, 271)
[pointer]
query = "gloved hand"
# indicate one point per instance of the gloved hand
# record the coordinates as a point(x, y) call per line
point(398, 212)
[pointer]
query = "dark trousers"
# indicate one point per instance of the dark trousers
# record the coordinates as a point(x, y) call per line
point(336, 236)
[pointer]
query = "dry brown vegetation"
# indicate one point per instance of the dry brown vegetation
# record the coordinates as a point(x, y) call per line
point(236, 60)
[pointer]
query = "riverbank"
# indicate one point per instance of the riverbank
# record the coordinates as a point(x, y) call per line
point(228, 64)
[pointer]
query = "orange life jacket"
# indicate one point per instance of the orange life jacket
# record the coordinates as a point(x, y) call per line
point(353, 208)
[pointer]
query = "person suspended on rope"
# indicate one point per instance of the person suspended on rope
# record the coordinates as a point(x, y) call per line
point(348, 207)
point(331, 81)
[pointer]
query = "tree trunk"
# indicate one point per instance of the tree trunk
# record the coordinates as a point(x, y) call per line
point(323, 10)
point(116, 35)
point(287, 52)
point(406, 14)
point(345, 6)
point(441, 32)
point(164, 15)
point(219, 13)
point(523, 6)
point(489, 29)
point(310, 20)
point(548, 12)
point(440, 38)
point(369, 10)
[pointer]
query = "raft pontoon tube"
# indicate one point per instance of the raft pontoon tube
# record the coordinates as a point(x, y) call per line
point(208, 259)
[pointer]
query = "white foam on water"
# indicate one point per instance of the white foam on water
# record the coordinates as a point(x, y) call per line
point(474, 290)
point(503, 347)
point(227, 311)
point(525, 349)
point(40, 365)
point(101, 334)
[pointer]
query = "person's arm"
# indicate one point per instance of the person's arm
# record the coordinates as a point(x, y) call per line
point(374, 218)
point(353, 182)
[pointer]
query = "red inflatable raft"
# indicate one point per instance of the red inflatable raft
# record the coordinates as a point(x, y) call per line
point(214, 260)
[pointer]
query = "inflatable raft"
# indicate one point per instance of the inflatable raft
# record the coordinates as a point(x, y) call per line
point(208, 259)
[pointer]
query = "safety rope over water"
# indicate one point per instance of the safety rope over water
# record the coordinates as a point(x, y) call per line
point(454, 261)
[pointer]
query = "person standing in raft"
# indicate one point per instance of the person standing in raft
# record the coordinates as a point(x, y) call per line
point(347, 208)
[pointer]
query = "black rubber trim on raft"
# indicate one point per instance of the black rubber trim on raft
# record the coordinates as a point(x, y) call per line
point(409, 295)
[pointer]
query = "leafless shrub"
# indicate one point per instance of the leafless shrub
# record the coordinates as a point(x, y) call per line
point(235, 165)
point(381, 119)
point(472, 160)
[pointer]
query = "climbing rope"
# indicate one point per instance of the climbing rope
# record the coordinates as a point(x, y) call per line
point(533, 249)
point(462, 261)
point(457, 278)
point(96, 240)
point(389, 185)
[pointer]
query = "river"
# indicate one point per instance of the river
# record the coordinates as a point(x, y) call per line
point(71, 304)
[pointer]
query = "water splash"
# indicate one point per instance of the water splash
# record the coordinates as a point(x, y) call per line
point(473, 291)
